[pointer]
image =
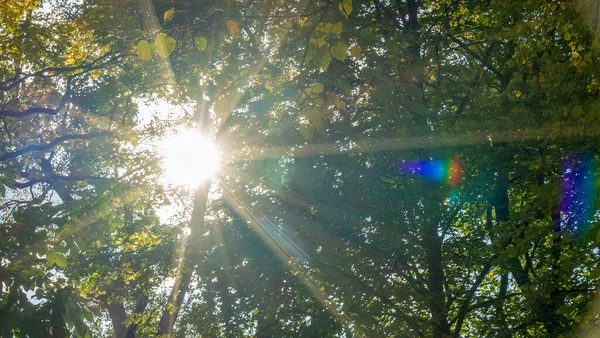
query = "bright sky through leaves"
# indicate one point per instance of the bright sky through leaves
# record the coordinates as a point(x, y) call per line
point(189, 158)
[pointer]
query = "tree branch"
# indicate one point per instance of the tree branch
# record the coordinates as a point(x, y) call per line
point(64, 138)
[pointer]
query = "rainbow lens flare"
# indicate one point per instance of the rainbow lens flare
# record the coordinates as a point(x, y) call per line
point(438, 170)
point(578, 196)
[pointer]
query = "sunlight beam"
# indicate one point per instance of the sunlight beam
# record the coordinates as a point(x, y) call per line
point(292, 255)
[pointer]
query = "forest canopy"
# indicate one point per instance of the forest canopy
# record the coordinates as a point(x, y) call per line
point(299, 168)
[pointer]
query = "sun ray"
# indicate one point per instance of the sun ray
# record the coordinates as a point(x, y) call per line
point(289, 253)
point(409, 143)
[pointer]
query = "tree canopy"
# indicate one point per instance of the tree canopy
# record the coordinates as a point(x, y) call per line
point(400, 168)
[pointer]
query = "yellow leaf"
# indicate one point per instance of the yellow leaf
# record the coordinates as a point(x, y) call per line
point(233, 27)
point(145, 50)
point(345, 7)
point(355, 52)
point(318, 42)
point(165, 45)
point(169, 14)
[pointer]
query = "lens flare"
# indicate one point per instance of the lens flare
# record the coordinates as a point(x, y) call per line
point(443, 171)
point(578, 193)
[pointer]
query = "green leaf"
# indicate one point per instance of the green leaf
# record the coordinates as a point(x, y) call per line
point(563, 309)
point(2, 190)
point(307, 131)
point(416, 107)
point(337, 28)
point(60, 260)
point(368, 36)
point(201, 43)
point(339, 51)
point(169, 14)
point(345, 7)
point(50, 257)
point(145, 50)
point(165, 45)
point(344, 86)
point(316, 88)
point(324, 61)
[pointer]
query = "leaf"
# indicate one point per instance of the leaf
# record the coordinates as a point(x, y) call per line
point(165, 45)
point(563, 309)
point(339, 51)
point(318, 42)
point(413, 90)
point(2, 190)
point(345, 7)
point(355, 52)
point(50, 257)
point(325, 27)
point(145, 50)
point(416, 107)
point(169, 14)
point(60, 260)
point(233, 27)
point(337, 28)
point(339, 103)
point(344, 86)
point(324, 61)
point(201, 43)
point(368, 36)
point(316, 88)
point(307, 131)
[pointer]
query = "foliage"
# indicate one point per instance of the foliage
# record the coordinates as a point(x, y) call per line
point(311, 228)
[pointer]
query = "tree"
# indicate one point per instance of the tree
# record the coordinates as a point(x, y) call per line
point(402, 168)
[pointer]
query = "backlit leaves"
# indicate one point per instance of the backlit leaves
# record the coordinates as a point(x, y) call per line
point(323, 60)
point(145, 50)
point(165, 45)
point(339, 51)
point(53, 257)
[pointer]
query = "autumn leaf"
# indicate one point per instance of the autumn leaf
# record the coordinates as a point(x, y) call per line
point(145, 50)
point(355, 52)
point(165, 45)
point(233, 27)
point(345, 7)
point(169, 14)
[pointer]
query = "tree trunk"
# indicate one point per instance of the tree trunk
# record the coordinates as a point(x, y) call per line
point(191, 257)
point(432, 243)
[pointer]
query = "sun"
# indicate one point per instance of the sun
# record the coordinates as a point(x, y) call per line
point(189, 158)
